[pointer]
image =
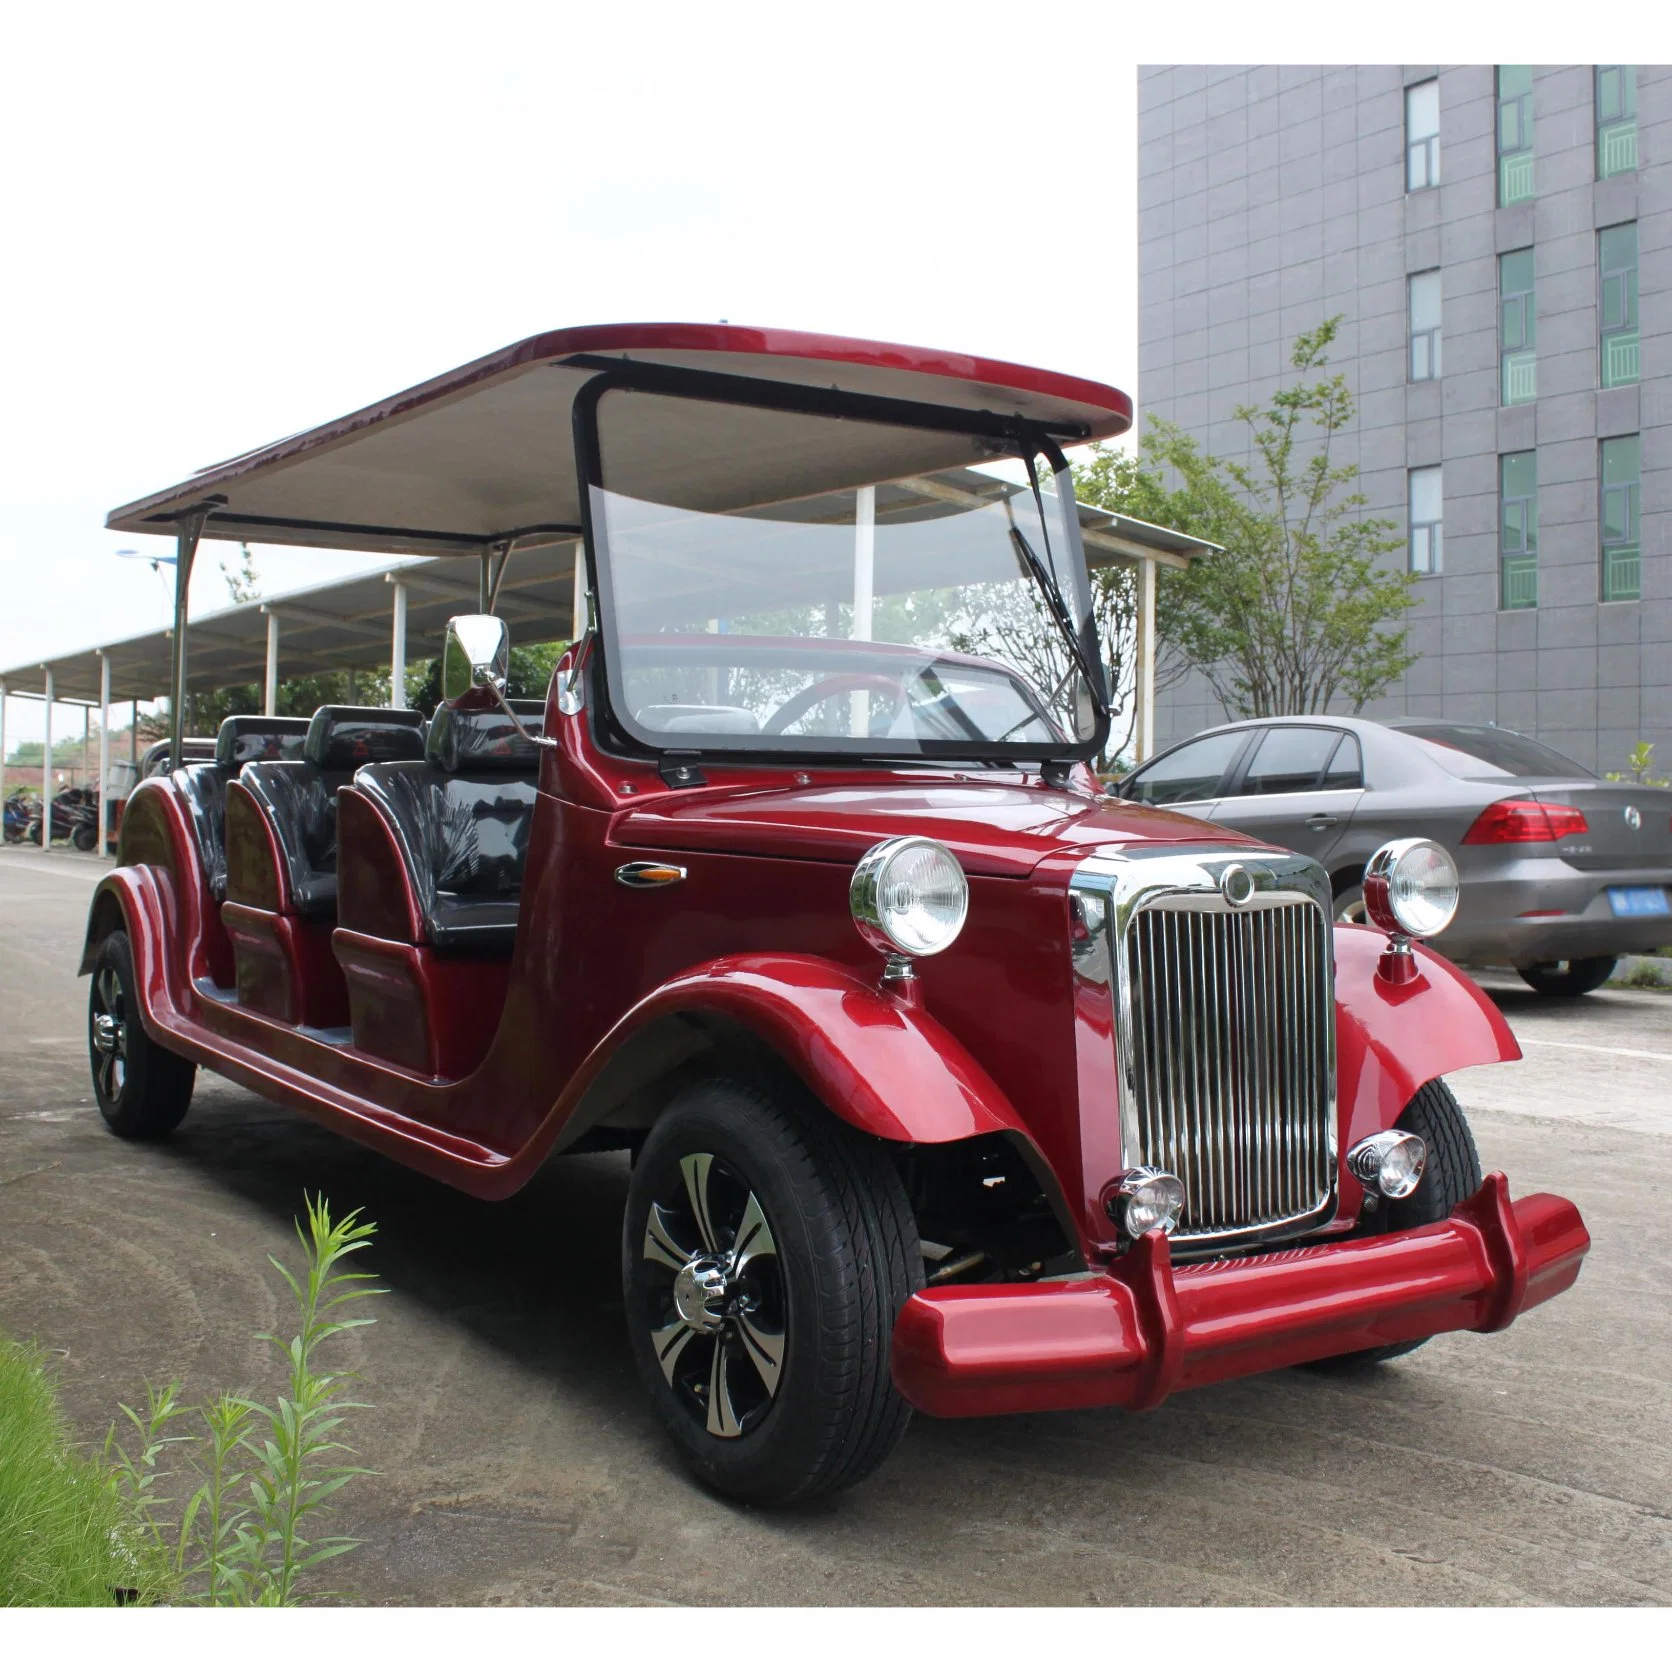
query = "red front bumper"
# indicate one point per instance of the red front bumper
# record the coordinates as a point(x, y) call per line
point(1145, 1330)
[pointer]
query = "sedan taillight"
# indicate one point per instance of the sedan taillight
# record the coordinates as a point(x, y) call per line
point(1525, 821)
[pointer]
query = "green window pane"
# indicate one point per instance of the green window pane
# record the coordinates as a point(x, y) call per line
point(1515, 273)
point(1621, 460)
point(1619, 247)
point(1520, 478)
point(1514, 80)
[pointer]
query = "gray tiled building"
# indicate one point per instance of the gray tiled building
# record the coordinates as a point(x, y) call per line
point(1482, 230)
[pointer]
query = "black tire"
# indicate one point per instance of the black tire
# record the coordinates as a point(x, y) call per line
point(813, 1309)
point(1452, 1175)
point(1570, 978)
point(32, 833)
point(143, 1090)
point(84, 838)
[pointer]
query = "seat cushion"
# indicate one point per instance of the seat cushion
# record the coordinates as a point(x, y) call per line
point(299, 801)
point(343, 739)
point(202, 787)
point(258, 737)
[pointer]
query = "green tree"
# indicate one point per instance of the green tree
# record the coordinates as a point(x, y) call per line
point(1296, 613)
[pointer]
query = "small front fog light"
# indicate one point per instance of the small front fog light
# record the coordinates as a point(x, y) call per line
point(1143, 1200)
point(1390, 1162)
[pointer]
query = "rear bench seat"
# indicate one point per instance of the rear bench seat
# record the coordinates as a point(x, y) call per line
point(242, 740)
point(460, 822)
point(298, 799)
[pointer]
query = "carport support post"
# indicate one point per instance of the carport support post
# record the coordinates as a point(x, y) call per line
point(185, 553)
point(46, 770)
point(104, 743)
point(1143, 685)
point(2, 740)
point(270, 691)
point(397, 648)
point(864, 585)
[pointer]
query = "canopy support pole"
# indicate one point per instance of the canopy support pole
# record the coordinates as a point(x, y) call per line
point(46, 770)
point(190, 530)
point(104, 747)
point(2, 740)
point(864, 579)
point(484, 586)
point(1143, 684)
point(133, 735)
point(577, 607)
point(270, 692)
point(397, 649)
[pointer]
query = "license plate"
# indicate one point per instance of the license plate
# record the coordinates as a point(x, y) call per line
point(1639, 902)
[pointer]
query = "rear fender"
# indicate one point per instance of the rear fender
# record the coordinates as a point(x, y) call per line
point(1392, 1038)
point(884, 1066)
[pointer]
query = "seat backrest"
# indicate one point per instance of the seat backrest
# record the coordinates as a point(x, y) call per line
point(299, 798)
point(462, 820)
point(202, 785)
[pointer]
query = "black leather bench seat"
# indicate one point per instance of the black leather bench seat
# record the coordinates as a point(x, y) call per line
point(299, 798)
point(462, 819)
point(242, 738)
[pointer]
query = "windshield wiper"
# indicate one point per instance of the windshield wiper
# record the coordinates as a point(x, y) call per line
point(1059, 613)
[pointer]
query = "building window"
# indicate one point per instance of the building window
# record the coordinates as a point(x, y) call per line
point(1515, 133)
point(1425, 326)
point(1422, 136)
point(1426, 499)
point(1517, 329)
point(1616, 119)
point(1617, 303)
point(1518, 530)
point(1622, 553)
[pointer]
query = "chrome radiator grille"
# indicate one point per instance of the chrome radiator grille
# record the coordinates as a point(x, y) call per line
point(1230, 1079)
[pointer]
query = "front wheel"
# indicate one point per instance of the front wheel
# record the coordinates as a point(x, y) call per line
point(766, 1253)
point(143, 1090)
point(1349, 904)
point(1452, 1175)
point(1568, 978)
point(84, 838)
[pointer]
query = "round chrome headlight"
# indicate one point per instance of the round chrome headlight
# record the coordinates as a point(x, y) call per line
point(1410, 888)
point(1390, 1162)
point(909, 895)
point(1143, 1200)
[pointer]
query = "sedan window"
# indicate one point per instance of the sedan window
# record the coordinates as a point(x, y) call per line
point(1189, 773)
point(1290, 760)
point(1491, 752)
point(1346, 767)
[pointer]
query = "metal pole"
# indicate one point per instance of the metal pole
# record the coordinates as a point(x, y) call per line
point(46, 771)
point(185, 553)
point(864, 578)
point(1143, 685)
point(577, 607)
point(271, 694)
point(104, 745)
point(133, 735)
point(484, 586)
point(2, 740)
point(397, 650)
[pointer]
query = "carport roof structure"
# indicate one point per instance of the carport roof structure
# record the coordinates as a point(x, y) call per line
point(356, 622)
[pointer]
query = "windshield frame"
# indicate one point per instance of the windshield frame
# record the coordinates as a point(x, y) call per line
point(1022, 439)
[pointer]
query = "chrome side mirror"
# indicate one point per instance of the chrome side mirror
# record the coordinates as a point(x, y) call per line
point(475, 655)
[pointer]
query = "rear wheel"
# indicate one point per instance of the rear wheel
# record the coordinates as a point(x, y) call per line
point(85, 837)
point(766, 1253)
point(143, 1090)
point(1568, 978)
point(1452, 1175)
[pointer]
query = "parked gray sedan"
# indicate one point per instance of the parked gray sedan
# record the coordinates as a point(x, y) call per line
point(1561, 871)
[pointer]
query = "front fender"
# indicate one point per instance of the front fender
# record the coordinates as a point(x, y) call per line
point(1392, 1038)
point(884, 1066)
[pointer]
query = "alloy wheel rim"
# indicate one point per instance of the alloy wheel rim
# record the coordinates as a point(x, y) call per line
point(716, 1304)
point(109, 1027)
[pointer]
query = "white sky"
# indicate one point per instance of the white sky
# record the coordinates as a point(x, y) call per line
point(227, 223)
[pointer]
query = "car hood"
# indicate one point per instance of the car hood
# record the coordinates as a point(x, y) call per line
point(1001, 830)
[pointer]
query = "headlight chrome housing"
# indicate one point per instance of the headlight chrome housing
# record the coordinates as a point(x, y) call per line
point(1411, 888)
point(1390, 1163)
point(909, 897)
point(1144, 1199)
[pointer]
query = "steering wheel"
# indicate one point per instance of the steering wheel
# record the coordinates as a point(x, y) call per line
point(831, 686)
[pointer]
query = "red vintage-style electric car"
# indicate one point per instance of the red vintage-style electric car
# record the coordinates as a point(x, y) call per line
point(947, 1081)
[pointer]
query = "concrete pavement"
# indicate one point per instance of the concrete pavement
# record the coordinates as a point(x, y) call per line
point(517, 1461)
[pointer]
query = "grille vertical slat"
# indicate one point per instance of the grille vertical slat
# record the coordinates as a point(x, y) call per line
point(1230, 1036)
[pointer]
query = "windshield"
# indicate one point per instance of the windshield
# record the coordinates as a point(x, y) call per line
point(1491, 752)
point(902, 618)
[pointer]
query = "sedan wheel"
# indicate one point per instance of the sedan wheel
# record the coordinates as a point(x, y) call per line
point(766, 1252)
point(1570, 978)
point(1349, 905)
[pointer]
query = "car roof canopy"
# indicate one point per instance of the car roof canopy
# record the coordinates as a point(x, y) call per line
point(486, 452)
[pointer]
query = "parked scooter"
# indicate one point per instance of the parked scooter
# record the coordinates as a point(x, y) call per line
point(75, 819)
point(21, 809)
